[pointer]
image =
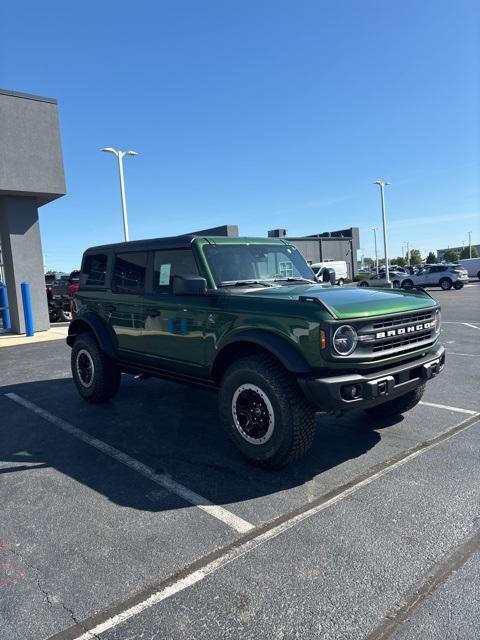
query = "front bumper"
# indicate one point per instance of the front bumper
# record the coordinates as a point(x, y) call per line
point(334, 394)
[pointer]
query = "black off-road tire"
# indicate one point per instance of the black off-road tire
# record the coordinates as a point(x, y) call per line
point(106, 375)
point(445, 284)
point(398, 405)
point(293, 416)
point(65, 316)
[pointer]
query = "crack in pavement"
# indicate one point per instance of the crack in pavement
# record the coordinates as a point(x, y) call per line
point(48, 597)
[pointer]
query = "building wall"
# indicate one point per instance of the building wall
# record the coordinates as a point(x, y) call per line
point(331, 245)
point(30, 151)
point(440, 252)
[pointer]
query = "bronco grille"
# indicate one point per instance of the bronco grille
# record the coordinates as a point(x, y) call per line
point(403, 319)
point(395, 334)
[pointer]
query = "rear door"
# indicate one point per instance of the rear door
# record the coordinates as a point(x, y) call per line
point(124, 306)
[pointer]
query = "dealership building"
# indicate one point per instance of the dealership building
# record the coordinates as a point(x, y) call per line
point(441, 252)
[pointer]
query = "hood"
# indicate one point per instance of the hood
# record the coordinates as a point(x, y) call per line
point(353, 302)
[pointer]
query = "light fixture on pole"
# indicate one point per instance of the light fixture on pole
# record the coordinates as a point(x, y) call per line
point(382, 184)
point(375, 229)
point(120, 155)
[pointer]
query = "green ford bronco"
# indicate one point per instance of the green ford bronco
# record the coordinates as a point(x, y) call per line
point(247, 316)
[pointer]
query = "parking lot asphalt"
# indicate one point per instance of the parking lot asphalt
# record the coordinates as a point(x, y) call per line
point(137, 519)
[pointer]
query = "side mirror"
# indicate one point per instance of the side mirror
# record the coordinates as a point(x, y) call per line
point(189, 286)
point(328, 275)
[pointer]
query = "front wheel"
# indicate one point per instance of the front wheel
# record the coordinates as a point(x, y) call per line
point(340, 282)
point(364, 284)
point(446, 284)
point(407, 284)
point(397, 405)
point(458, 285)
point(96, 376)
point(264, 412)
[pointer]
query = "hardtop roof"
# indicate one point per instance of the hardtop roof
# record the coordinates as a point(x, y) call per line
point(180, 242)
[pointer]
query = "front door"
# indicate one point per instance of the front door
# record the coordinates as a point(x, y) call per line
point(174, 326)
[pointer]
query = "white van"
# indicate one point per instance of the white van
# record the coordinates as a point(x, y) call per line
point(339, 266)
point(472, 265)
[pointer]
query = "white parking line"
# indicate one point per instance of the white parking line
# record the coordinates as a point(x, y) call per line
point(448, 408)
point(162, 479)
point(469, 355)
point(466, 324)
point(250, 544)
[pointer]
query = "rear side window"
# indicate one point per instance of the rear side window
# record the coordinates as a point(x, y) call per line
point(95, 270)
point(129, 272)
point(167, 264)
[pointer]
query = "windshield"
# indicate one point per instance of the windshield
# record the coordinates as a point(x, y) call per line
point(230, 264)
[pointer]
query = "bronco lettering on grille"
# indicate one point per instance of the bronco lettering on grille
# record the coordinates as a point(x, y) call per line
point(390, 333)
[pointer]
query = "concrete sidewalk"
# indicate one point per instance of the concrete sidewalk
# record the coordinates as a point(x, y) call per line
point(13, 340)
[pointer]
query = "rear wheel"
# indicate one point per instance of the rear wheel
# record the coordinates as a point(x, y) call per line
point(264, 412)
point(65, 316)
point(445, 283)
point(407, 284)
point(397, 405)
point(96, 376)
point(364, 284)
point(340, 282)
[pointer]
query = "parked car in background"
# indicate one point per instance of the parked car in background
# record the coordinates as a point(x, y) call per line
point(339, 266)
point(60, 289)
point(381, 280)
point(444, 276)
point(472, 266)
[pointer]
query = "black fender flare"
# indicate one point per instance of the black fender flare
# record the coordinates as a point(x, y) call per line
point(278, 346)
point(89, 321)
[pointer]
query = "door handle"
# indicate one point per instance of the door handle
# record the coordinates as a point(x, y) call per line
point(111, 308)
point(153, 313)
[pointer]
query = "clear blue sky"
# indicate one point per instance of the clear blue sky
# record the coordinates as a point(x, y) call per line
point(261, 113)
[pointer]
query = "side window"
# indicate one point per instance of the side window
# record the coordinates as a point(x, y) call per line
point(172, 263)
point(129, 272)
point(94, 270)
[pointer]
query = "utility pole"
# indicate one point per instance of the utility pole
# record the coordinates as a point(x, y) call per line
point(382, 184)
point(120, 155)
point(375, 229)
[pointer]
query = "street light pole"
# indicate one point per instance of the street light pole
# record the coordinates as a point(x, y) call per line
point(469, 244)
point(382, 184)
point(120, 155)
point(375, 229)
point(407, 242)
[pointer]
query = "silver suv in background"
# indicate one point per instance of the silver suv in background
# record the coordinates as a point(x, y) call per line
point(444, 276)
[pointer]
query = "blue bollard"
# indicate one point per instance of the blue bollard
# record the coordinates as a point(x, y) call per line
point(4, 307)
point(27, 309)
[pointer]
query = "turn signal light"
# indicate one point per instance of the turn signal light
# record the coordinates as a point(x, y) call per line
point(323, 340)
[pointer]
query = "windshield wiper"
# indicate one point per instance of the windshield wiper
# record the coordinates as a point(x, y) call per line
point(294, 279)
point(241, 283)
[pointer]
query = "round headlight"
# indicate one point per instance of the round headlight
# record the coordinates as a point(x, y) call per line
point(345, 340)
point(438, 320)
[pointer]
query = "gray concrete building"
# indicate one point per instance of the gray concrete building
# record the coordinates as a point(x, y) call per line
point(31, 175)
point(329, 245)
point(441, 252)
